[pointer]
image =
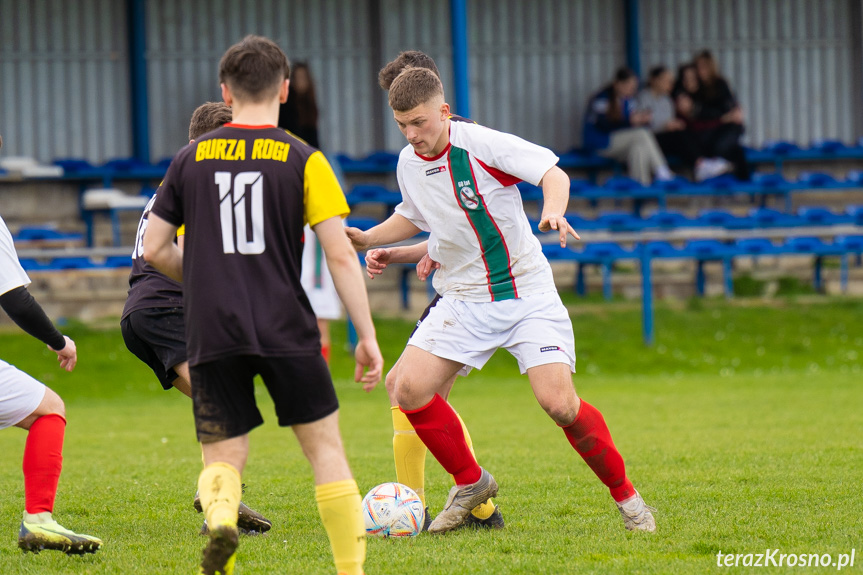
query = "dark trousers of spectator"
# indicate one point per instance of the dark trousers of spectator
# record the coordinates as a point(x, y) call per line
point(681, 144)
point(724, 141)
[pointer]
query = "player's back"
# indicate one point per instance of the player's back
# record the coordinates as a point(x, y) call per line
point(240, 192)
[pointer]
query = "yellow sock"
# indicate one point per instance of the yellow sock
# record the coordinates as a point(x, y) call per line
point(483, 510)
point(339, 504)
point(410, 454)
point(221, 488)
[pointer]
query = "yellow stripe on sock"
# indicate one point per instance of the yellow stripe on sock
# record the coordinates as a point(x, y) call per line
point(483, 510)
point(409, 453)
point(221, 488)
point(339, 505)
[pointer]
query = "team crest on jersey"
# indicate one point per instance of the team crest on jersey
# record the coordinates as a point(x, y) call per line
point(433, 171)
point(468, 197)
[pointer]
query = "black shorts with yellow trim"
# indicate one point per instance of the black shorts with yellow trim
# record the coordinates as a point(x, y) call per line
point(223, 393)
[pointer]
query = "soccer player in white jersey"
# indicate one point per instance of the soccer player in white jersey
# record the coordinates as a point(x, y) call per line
point(30, 405)
point(458, 182)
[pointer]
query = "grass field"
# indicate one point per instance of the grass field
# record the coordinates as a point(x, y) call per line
point(743, 426)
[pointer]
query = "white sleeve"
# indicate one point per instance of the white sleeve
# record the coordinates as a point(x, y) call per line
point(12, 275)
point(407, 208)
point(506, 152)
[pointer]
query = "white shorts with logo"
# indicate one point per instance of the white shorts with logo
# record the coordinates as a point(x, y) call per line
point(535, 329)
point(20, 395)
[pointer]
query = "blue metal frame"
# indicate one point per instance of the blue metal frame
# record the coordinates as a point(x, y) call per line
point(136, 13)
point(633, 41)
point(461, 77)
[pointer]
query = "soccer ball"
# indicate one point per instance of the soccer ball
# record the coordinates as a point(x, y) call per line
point(393, 510)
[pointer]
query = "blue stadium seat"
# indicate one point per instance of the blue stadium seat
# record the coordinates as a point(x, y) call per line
point(661, 249)
point(70, 263)
point(821, 216)
point(74, 165)
point(45, 233)
point(708, 249)
point(372, 194)
point(817, 180)
point(618, 221)
point(675, 184)
point(768, 217)
point(854, 177)
point(850, 243)
point(553, 252)
point(779, 147)
point(31, 265)
point(529, 192)
point(805, 244)
point(361, 223)
point(828, 146)
point(756, 247)
point(667, 220)
point(856, 213)
point(715, 218)
point(622, 184)
point(577, 186)
point(770, 180)
point(118, 262)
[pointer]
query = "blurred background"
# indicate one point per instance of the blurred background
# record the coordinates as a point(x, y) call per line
point(96, 95)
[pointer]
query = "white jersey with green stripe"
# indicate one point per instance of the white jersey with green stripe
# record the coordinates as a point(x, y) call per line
point(467, 199)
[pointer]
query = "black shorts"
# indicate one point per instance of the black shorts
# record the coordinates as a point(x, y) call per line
point(223, 393)
point(157, 336)
point(425, 313)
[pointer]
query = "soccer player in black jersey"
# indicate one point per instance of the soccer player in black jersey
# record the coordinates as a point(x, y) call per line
point(244, 192)
point(152, 323)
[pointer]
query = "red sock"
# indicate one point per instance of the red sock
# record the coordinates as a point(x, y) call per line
point(43, 460)
point(590, 437)
point(439, 428)
point(325, 351)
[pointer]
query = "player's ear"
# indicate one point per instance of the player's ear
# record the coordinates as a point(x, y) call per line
point(191, 141)
point(444, 111)
point(226, 94)
point(283, 91)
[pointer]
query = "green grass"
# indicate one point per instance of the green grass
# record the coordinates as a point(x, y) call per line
point(743, 426)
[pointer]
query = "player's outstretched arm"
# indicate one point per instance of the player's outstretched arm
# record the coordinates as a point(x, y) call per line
point(29, 316)
point(348, 279)
point(395, 228)
point(555, 197)
point(378, 259)
point(160, 251)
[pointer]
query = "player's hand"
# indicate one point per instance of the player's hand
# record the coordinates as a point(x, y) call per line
point(359, 238)
point(557, 222)
point(377, 261)
point(68, 356)
point(369, 358)
point(425, 267)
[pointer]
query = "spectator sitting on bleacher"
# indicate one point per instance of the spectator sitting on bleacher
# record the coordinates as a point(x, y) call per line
point(716, 117)
point(670, 131)
point(614, 129)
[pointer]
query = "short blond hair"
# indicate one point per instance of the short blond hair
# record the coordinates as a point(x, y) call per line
point(414, 87)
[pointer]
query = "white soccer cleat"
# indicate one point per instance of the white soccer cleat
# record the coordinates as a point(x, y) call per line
point(637, 516)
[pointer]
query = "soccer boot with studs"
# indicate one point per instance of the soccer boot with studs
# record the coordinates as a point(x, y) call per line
point(637, 515)
point(460, 502)
point(48, 534)
point(249, 521)
point(493, 521)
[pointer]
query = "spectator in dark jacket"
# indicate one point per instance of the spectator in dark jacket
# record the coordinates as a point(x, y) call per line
point(299, 114)
point(614, 129)
point(670, 131)
point(717, 118)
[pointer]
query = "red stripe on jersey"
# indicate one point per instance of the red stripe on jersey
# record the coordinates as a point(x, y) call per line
point(499, 175)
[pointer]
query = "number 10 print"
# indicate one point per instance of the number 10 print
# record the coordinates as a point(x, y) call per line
point(232, 210)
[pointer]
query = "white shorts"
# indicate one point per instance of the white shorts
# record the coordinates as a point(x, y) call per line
point(535, 329)
point(317, 281)
point(20, 395)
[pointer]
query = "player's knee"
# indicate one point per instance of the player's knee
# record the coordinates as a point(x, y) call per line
point(562, 410)
point(390, 383)
point(52, 404)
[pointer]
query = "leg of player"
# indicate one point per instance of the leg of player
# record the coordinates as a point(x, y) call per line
point(183, 382)
point(587, 432)
point(43, 462)
point(336, 491)
point(220, 488)
point(422, 378)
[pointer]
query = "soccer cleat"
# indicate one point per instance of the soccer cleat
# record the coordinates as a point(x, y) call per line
point(219, 554)
point(249, 521)
point(493, 521)
point(637, 516)
point(460, 502)
point(50, 535)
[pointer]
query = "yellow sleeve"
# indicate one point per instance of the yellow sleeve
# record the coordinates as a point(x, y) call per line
point(181, 231)
point(322, 194)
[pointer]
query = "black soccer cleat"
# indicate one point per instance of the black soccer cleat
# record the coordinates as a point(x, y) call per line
point(249, 521)
point(493, 521)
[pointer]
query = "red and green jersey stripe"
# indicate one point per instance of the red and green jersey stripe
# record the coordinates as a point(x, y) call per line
point(495, 254)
